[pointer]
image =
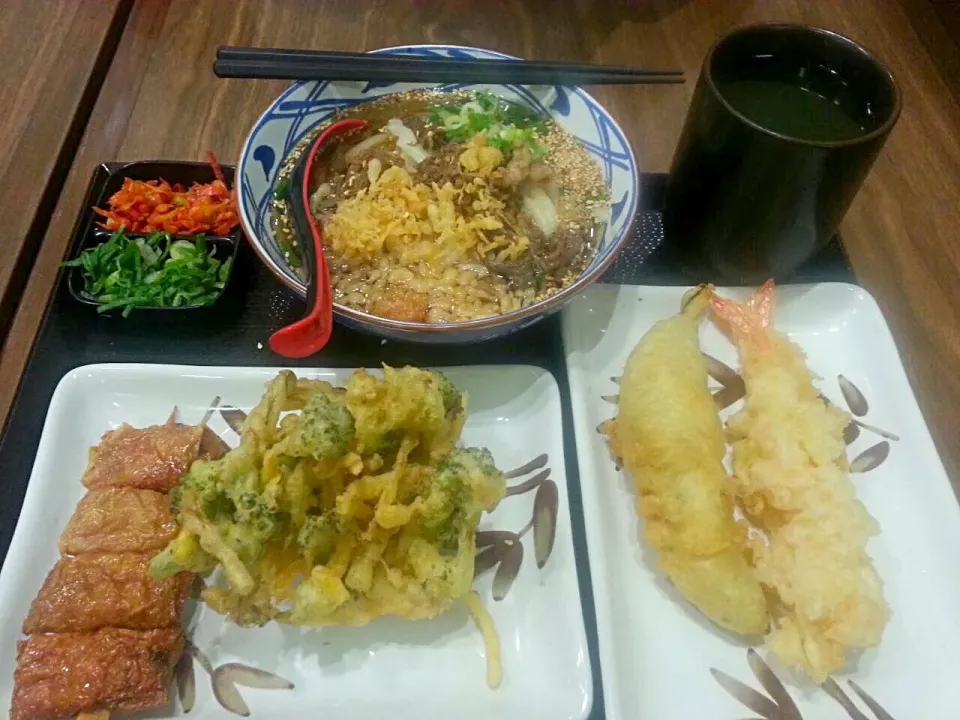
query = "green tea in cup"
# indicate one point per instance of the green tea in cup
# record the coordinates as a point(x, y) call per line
point(785, 123)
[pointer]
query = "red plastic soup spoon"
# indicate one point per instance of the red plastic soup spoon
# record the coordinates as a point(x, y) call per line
point(309, 335)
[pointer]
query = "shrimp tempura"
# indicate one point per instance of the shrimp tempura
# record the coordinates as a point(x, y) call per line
point(669, 436)
point(790, 471)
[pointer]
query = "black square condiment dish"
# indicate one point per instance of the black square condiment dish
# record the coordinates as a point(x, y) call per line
point(107, 179)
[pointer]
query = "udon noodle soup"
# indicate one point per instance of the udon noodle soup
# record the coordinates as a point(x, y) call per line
point(451, 207)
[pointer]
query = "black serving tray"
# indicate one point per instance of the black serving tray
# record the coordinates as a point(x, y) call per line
point(107, 179)
point(235, 332)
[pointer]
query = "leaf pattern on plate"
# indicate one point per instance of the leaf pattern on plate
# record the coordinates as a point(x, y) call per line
point(508, 570)
point(223, 681)
point(491, 556)
point(247, 676)
point(732, 387)
point(851, 432)
point(746, 695)
point(874, 706)
point(854, 398)
point(778, 706)
point(214, 404)
point(488, 538)
point(503, 549)
point(234, 417)
point(212, 445)
point(545, 508)
point(227, 694)
point(200, 657)
point(856, 401)
point(186, 682)
point(877, 431)
point(771, 683)
point(530, 484)
point(870, 458)
point(538, 462)
point(833, 689)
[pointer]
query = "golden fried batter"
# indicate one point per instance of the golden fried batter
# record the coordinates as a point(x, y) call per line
point(669, 436)
point(97, 590)
point(789, 459)
point(123, 670)
point(119, 520)
point(360, 505)
point(153, 458)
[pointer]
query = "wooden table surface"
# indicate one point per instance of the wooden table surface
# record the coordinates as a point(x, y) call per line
point(161, 100)
point(53, 54)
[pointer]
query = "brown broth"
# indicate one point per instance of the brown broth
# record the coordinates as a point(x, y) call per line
point(568, 250)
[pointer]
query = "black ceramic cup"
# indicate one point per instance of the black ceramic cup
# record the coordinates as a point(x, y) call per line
point(764, 173)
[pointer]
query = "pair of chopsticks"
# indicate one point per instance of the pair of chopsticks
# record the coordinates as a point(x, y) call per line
point(274, 64)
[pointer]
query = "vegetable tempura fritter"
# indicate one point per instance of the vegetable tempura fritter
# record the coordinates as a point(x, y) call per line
point(669, 436)
point(790, 465)
point(357, 506)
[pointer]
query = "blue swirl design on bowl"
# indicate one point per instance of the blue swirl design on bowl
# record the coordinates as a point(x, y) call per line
point(304, 105)
point(561, 104)
point(265, 155)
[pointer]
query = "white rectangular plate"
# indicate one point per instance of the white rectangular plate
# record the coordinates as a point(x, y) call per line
point(390, 668)
point(660, 659)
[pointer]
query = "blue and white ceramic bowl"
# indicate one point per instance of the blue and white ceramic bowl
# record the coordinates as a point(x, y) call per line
point(307, 104)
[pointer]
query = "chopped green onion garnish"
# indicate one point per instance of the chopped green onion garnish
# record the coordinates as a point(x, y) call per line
point(507, 126)
point(154, 271)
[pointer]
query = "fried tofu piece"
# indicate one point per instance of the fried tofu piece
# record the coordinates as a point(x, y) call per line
point(62, 675)
point(153, 458)
point(119, 520)
point(97, 590)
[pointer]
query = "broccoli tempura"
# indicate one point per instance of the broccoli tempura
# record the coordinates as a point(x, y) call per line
point(358, 506)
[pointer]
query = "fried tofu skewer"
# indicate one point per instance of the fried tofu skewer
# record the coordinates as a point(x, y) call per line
point(790, 466)
point(669, 436)
point(104, 633)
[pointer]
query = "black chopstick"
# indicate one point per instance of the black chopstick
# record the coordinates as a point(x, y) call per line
point(234, 62)
point(229, 52)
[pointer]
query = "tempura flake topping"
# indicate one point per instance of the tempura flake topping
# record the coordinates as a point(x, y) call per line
point(340, 505)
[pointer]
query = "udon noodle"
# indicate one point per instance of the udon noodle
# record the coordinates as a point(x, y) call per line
point(451, 207)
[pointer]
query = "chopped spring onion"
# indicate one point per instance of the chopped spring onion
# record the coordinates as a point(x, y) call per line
point(506, 125)
point(152, 271)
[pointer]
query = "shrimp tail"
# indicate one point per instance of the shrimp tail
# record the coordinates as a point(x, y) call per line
point(747, 321)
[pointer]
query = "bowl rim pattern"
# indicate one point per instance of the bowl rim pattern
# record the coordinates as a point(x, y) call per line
point(605, 257)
